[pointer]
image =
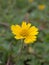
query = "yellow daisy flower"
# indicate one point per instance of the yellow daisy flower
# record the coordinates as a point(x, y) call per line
point(41, 7)
point(25, 31)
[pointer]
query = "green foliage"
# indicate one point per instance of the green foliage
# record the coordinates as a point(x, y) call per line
point(14, 12)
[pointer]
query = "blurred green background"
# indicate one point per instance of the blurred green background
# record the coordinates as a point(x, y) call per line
point(14, 12)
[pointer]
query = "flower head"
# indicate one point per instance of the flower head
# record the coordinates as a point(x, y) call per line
point(25, 31)
point(41, 7)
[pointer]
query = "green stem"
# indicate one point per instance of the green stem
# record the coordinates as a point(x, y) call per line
point(22, 46)
point(20, 51)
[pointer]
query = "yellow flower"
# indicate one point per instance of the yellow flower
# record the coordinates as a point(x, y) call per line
point(25, 31)
point(41, 7)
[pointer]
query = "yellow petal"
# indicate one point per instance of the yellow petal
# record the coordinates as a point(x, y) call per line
point(28, 25)
point(18, 37)
point(30, 39)
point(15, 29)
point(24, 24)
point(33, 30)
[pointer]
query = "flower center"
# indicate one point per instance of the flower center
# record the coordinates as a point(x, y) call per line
point(24, 33)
